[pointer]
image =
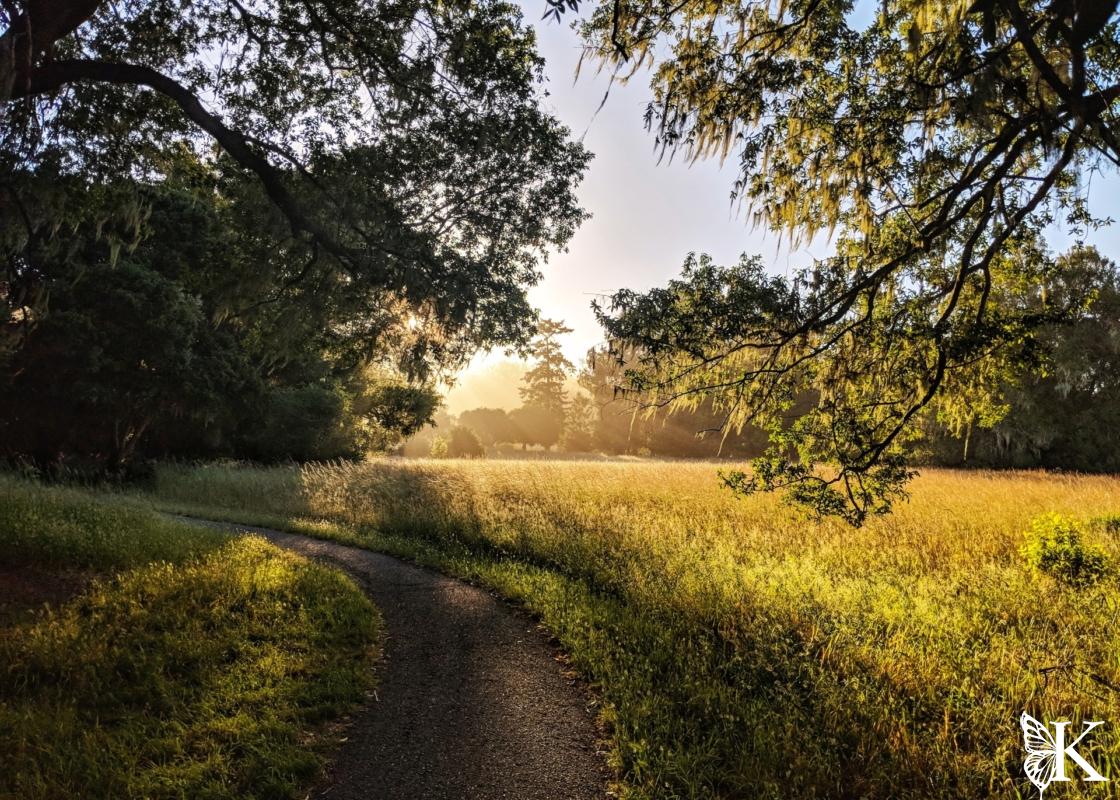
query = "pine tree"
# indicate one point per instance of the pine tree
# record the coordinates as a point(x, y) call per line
point(542, 390)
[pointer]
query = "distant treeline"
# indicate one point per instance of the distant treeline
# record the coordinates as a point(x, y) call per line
point(1060, 411)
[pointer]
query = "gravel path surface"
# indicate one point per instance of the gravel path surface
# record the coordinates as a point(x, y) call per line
point(471, 703)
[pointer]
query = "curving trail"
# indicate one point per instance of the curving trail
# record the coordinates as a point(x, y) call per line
point(472, 703)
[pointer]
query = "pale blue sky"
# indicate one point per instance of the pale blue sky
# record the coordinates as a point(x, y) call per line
point(648, 216)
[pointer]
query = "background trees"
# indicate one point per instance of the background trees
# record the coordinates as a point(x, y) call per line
point(179, 345)
point(1061, 409)
point(491, 425)
point(541, 419)
point(543, 383)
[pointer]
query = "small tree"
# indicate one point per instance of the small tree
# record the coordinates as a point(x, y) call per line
point(543, 384)
point(439, 448)
point(463, 443)
point(492, 425)
point(542, 391)
point(384, 409)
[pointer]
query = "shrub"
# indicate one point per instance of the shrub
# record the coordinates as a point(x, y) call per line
point(439, 447)
point(1054, 546)
point(301, 423)
point(464, 443)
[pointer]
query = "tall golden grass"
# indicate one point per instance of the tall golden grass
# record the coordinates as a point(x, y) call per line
point(744, 650)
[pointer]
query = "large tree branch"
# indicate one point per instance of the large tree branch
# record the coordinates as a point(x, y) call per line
point(55, 75)
point(33, 27)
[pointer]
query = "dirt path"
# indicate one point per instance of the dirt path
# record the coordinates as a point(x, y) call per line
point(471, 703)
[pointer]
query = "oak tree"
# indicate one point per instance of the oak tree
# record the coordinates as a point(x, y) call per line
point(399, 145)
point(935, 139)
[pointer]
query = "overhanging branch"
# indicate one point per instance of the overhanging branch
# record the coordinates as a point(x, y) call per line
point(55, 75)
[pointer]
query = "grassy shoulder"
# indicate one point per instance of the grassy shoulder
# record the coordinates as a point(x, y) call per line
point(741, 650)
point(194, 665)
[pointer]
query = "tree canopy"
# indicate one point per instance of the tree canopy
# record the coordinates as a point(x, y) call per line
point(184, 346)
point(263, 227)
point(398, 146)
point(936, 140)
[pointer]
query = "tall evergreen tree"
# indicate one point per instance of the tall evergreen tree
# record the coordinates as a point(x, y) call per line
point(543, 383)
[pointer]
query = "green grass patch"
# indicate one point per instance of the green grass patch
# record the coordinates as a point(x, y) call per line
point(198, 665)
point(55, 526)
point(741, 650)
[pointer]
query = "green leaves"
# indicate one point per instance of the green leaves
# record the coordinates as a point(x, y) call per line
point(400, 148)
point(838, 378)
point(1054, 545)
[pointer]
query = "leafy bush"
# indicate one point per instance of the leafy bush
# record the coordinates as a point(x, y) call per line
point(464, 443)
point(301, 423)
point(460, 442)
point(439, 447)
point(1054, 546)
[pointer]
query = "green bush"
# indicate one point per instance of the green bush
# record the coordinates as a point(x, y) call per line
point(464, 443)
point(460, 442)
point(302, 423)
point(1054, 546)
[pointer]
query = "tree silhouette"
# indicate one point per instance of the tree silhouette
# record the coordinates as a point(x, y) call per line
point(543, 383)
point(398, 145)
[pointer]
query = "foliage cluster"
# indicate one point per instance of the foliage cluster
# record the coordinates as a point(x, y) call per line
point(220, 223)
point(1049, 399)
point(937, 139)
point(460, 442)
point(182, 348)
point(1055, 545)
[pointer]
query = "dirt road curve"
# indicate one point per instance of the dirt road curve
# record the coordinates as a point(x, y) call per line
point(471, 702)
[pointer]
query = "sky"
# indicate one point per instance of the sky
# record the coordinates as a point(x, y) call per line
point(646, 216)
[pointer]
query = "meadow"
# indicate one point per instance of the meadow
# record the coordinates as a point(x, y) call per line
point(182, 662)
point(740, 649)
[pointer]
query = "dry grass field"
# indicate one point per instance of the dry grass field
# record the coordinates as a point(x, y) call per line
point(742, 650)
